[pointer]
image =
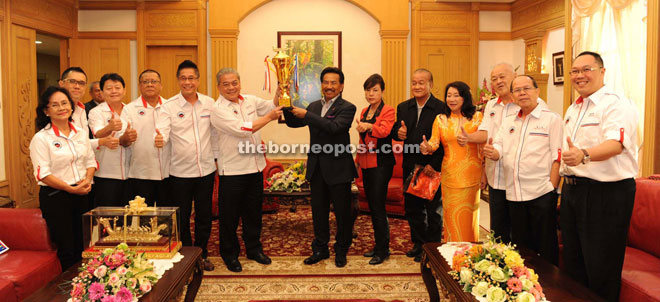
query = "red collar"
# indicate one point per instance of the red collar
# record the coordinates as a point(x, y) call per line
point(112, 110)
point(144, 102)
point(579, 101)
point(499, 100)
point(240, 97)
point(57, 130)
point(520, 113)
point(79, 104)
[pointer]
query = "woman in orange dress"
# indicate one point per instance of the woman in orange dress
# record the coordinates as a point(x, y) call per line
point(461, 166)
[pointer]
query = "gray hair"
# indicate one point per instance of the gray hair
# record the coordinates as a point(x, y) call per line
point(226, 70)
point(507, 65)
point(91, 86)
point(418, 70)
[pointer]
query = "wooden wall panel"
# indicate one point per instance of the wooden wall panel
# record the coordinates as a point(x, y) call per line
point(52, 16)
point(528, 16)
point(170, 23)
point(446, 62)
point(393, 65)
point(20, 114)
point(224, 52)
point(100, 56)
point(165, 59)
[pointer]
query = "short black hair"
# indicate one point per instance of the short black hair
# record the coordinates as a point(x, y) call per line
point(527, 76)
point(596, 56)
point(72, 69)
point(333, 70)
point(148, 70)
point(467, 109)
point(187, 64)
point(42, 119)
point(373, 80)
point(111, 76)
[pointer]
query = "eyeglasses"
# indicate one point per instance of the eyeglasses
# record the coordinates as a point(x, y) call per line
point(525, 89)
point(189, 79)
point(154, 82)
point(585, 70)
point(74, 82)
point(59, 105)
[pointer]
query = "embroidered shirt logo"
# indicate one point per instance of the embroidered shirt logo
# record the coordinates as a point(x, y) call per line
point(180, 114)
point(57, 144)
point(141, 112)
point(492, 113)
point(512, 129)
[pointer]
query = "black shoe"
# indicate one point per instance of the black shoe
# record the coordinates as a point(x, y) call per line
point(378, 259)
point(340, 260)
point(370, 254)
point(234, 266)
point(418, 258)
point(208, 265)
point(416, 250)
point(316, 257)
point(260, 258)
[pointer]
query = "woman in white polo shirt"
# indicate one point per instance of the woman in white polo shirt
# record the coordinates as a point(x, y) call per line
point(64, 165)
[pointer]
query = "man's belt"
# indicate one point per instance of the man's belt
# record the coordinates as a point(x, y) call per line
point(576, 180)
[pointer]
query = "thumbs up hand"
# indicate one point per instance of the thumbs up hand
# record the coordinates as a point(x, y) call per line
point(110, 141)
point(129, 136)
point(490, 151)
point(462, 137)
point(425, 147)
point(115, 123)
point(159, 142)
point(403, 131)
point(573, 156)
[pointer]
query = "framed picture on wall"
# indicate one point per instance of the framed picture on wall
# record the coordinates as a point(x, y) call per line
point(316, 50)
point(558, 68)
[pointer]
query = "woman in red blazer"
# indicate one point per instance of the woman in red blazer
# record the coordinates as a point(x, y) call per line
point(376, 159)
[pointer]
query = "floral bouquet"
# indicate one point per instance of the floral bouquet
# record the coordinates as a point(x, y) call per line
point(115, 275)
point(485, 95)
point(496, 271)
point(290, 180)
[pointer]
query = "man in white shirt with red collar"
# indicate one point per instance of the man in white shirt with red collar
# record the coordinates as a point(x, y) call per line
point(238, 118)
point(599, 163)
point(185, 121)
point(529, 146)
point(149, 166)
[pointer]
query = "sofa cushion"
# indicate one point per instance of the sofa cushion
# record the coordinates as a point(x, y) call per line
point(7, 293)
point(640, 278)
point(24, 229)
point(28, 270)
point(644, 223)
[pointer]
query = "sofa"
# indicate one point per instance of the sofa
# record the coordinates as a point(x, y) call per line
point(394, 204)
point(31, 261)
point(640, 278)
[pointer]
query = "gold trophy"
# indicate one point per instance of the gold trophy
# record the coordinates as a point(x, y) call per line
point(284, 65)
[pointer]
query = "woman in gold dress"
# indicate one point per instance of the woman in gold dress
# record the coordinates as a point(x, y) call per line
point(461, 166)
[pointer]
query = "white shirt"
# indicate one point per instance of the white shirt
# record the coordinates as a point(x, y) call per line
point(188, 128)
point(146, 161)
point(113, 163)
point(79, 117)
point(602, 116)
point(327, 104)
point(65, 157)
point(527, 148)
point(234, 124)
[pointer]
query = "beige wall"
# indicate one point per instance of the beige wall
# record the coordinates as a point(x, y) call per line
point(554, 42)
point(503, 51)
point(107, 20)
point(361, 51)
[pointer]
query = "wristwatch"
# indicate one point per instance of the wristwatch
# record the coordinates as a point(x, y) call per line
point(586, 158)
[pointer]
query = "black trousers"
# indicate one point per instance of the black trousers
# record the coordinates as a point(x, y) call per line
point(63, 214)
point(424, 216)
point(157, 191)
point(500, 222)
point(109, 192)
point(340, 195)
point(375, 187)
point(594, 220)
point(534, 225)
point(199, 189)
point(241, 198)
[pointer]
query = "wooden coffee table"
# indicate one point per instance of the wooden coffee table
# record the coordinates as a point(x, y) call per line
point(189, 271)
point(557, 286)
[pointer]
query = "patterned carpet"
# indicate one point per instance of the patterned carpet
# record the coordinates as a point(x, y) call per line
point(286, 238)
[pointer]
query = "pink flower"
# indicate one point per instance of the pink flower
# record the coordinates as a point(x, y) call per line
point(145, 287)
point(132, 282)
point(110, 298)
point(514, 284)
point(101, 271)
point(122, 270)
point(519, 271)
point(538, 288)
point(78, 290)
point(124, 295)
point(536, 294)
point(96, 291)
point(114, 279)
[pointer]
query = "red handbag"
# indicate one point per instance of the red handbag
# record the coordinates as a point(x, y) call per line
point(422, 185)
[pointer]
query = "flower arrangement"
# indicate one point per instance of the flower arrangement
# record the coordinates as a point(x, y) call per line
point(290, 180)
point(115, 275)
point(485, 95)
point(495, 271)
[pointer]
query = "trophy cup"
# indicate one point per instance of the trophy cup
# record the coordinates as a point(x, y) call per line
point(284, 65)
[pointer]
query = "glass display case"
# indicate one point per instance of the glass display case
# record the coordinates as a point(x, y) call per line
point(152, 230)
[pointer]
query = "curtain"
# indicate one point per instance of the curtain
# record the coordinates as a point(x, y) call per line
point(617, 30)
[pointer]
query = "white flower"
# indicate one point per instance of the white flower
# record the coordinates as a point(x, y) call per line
point(482, 265)
point(466, 275)
point(480, 289)
point(114, 279)
point(498, 275)
point(527, 284)
point(525, 297)
point(122, 270)
point(145, 286)
point(100, 271)
point(495, 294)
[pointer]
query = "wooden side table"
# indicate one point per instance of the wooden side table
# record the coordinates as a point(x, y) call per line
point(189, 271)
